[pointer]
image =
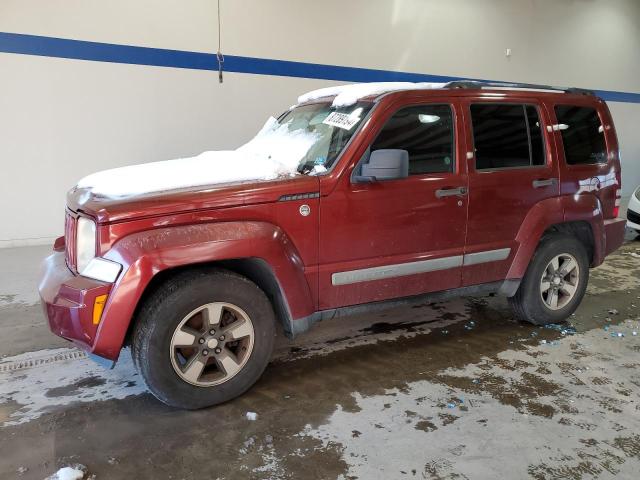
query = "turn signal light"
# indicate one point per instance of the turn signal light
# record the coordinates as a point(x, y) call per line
point(98, 307)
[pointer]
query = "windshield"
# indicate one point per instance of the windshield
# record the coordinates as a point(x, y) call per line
point(309, 137)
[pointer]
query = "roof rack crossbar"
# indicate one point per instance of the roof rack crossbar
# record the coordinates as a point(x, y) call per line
point(531, 86)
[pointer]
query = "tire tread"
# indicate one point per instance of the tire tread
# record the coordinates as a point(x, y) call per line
point(155, 303)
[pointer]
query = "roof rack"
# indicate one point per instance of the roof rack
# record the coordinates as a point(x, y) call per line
point(515, 86)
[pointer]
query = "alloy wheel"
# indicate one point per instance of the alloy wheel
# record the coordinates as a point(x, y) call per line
point(559, 281)
point(212, 344)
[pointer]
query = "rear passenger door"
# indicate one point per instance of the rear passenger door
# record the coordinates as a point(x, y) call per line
point(510, 170)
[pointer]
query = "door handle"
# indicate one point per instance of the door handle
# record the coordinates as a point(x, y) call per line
point(547, 182)
point(451, 192)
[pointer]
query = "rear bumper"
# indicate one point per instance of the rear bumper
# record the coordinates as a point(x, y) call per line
point(613, 234)
point(68, 300)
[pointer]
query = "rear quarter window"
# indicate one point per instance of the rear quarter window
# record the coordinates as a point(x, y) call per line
point(582, 135)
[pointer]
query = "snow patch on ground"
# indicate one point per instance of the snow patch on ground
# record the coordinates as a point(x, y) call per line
point(346, 95)
point(67, 473)
point(506, 404)
point(42, 388)
point(275, 152)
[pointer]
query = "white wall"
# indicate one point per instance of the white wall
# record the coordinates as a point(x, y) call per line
point(61, 119)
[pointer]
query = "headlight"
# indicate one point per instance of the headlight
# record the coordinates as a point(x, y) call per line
point(638, 193)
point(87, 264)
point(85, 242)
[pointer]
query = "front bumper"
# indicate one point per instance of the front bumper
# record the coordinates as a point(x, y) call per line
point(68, 301)
point(633, 219)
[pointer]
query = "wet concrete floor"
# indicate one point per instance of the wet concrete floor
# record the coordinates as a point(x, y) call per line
point(443, 390)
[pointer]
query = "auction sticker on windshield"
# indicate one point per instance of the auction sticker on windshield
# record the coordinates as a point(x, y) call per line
point(341, 120)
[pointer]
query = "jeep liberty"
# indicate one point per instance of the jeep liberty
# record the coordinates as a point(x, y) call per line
point(365, 194)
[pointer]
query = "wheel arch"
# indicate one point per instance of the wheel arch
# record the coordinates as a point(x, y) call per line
point(580, 229)
point(257, 250)
point(578, 217)
point(254, 269)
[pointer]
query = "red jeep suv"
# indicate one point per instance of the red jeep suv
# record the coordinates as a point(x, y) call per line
point(360, 194)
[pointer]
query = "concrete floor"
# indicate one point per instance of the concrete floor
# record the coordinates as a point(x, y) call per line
point(443, 390)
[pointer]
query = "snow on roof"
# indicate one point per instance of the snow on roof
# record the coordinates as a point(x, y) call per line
point(346, 95)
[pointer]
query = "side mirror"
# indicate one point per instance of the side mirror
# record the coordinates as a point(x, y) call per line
point(385, 164)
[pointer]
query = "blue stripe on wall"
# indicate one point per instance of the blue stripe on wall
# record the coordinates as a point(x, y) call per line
point(160, 57)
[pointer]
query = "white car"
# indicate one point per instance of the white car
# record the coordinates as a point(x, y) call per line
point(633, 211)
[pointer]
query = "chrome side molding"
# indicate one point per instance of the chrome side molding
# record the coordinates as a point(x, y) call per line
point(413, 268)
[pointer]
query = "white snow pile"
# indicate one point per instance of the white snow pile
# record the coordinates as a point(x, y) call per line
point(251, 416)
point(274, 152)
point(346, 95)
point(68, 473)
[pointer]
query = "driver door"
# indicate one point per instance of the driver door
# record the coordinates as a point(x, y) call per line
point(401, 237)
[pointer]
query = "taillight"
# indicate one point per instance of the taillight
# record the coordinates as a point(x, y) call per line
point(616, 208)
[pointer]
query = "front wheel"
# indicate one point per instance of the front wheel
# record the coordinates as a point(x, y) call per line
point(554, 283)
point(204, 337)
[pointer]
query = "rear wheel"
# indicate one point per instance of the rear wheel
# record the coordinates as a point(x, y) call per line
point(554, 283)
point(204, 337)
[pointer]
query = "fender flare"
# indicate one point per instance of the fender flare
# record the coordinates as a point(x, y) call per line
point(565, 209)
point(588, 208)
point(145, 254)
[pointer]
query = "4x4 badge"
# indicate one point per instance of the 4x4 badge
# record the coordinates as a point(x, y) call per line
point(305, 210)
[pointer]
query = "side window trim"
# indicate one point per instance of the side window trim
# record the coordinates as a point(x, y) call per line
point(455, 168)
point(526, 122)
point(542, 133)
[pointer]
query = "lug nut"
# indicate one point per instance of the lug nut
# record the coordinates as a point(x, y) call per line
point(221, 338)
point(218, 350)
point(212, 332)
point(205, 352)
point(201, 340)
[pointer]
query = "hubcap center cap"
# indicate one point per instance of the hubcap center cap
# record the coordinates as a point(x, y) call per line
point(212, 343)
point(556, 281)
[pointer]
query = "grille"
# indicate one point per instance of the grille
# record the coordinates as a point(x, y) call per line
point(633, 216)
point(70, 240)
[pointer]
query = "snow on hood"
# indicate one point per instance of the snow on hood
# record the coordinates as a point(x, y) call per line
point(275, 152)
point(347, 95)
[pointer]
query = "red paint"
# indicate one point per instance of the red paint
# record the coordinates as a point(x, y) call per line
point(373, 224)
point(351, 226)
point(67, 300)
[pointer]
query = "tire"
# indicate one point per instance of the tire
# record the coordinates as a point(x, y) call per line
point(532, 303)
point(160, 326)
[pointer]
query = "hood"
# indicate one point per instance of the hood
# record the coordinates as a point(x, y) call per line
point(210, 180)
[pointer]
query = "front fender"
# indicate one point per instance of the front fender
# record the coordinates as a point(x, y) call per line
point(145, 254)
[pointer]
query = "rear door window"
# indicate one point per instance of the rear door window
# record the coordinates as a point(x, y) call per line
point(426, 132)
point(506, 136)
point(582, 135)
